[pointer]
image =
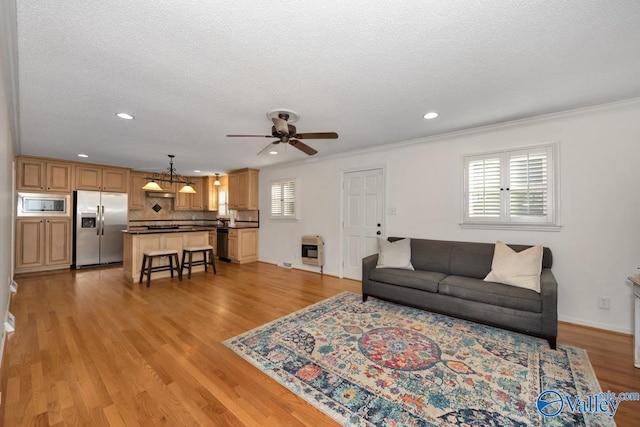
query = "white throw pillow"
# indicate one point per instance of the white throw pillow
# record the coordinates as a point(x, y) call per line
point(513, 268)
point(394, 254)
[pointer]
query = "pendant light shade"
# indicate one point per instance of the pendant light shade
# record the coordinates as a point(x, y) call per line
point(187, 189)
point(217, 181)
point(169, 176)
point(152, 186)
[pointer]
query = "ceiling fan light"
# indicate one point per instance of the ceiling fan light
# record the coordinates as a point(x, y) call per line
point(152, 186)
point(187, 189)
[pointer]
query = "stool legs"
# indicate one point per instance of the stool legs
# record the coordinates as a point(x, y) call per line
point(144, 262)
point(213, 261)
point(147, 267)
point(149, 271)
point(187, 263)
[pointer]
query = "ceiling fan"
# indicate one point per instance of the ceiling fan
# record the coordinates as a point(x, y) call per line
point(287, 133)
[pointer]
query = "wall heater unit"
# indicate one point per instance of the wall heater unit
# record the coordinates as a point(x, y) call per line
point(313, 251)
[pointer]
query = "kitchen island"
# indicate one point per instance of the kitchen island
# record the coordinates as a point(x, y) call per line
point(136, 242)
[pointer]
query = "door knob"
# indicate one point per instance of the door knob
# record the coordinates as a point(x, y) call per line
point(378, 232)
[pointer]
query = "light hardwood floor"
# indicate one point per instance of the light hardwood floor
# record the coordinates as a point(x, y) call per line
point(91, 349)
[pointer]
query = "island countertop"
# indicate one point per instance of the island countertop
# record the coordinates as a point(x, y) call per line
point(142, 230)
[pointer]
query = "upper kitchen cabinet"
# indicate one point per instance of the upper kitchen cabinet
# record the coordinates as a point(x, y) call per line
point(96, 178)
point(190, 201)
point(243, 189)
point(137, 195)
point(210, 194)
point(35, 174)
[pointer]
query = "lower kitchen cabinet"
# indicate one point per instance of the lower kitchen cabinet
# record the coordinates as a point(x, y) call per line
point(42, 244)
point(243, 245)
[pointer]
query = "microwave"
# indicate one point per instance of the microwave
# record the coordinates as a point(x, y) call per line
point(32, 204)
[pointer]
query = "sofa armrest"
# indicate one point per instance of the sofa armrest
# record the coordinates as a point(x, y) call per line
point(368, 264)
point(549, 293)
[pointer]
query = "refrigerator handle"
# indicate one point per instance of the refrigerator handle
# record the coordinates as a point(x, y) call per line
point(102, 221)
point(98, 220)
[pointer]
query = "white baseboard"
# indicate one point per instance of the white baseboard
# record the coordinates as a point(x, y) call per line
point(598, 325)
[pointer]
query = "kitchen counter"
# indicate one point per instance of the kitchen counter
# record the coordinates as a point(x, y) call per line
point(142, 230)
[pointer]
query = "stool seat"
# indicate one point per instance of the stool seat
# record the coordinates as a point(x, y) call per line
point(147, 263)
point(160, 252)
point(204, 250)
point(198, 248)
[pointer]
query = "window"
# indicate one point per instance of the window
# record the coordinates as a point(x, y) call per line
point(284, 202)
point(223, 205)
point(511, 188)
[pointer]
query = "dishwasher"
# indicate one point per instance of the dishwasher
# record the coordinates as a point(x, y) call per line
point(223, 244)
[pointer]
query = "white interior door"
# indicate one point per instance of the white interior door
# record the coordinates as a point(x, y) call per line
point(362, 218)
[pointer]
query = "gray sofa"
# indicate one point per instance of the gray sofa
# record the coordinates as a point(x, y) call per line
point(448, 279)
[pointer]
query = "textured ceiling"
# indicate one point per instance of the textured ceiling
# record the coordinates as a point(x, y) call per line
point(193, 71)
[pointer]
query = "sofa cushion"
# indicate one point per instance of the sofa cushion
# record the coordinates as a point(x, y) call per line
point(394, 254)
point(513, 268)
point(423, 280)
point(491, 293)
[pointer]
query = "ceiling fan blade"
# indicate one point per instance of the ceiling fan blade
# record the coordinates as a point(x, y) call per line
point(268, 148)
point(258, 136)
point(281, 125)
point(302, 147)
point(317, 135)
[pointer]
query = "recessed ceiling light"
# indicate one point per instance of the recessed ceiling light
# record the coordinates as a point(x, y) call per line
point(273, 152)
point(82, 155)
point(196, 171)
point(125, 116)
point(431, 115)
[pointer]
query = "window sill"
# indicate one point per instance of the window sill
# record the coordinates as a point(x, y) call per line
point(519, 227)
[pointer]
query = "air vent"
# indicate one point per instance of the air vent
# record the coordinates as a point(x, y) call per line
point(161, 194)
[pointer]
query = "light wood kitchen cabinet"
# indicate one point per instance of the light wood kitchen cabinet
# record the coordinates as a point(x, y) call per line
point(34, 174)
point(42, 244)
point(137, 195)
point(190, 201)
point(210, 194)
point(96, 178)
point(243, 189)
point(243, 245)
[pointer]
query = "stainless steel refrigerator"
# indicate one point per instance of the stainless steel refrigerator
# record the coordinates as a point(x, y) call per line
point(99, 219)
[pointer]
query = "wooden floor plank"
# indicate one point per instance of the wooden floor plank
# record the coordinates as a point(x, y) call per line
point(93, 349)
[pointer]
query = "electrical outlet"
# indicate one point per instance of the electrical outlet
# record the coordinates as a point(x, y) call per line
point(10, 323)
point(604, 303)
point(393, 210)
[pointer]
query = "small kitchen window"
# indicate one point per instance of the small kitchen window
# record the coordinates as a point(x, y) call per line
point(284, 199)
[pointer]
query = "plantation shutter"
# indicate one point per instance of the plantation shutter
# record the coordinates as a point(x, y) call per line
point(276, 199)
point(289, 198)
point(528, 186)
point(511, 188)
point(484, 188)
point(283, 199)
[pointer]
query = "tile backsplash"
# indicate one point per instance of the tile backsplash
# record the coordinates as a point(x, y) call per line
point(166, 211)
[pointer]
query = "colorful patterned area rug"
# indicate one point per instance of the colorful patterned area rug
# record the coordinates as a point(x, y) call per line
point(382, 364)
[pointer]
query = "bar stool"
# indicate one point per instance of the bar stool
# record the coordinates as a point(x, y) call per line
point(204, 249)
point(147, 263)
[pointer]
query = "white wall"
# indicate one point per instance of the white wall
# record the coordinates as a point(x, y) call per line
point(6, 199)
point(594, 253)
